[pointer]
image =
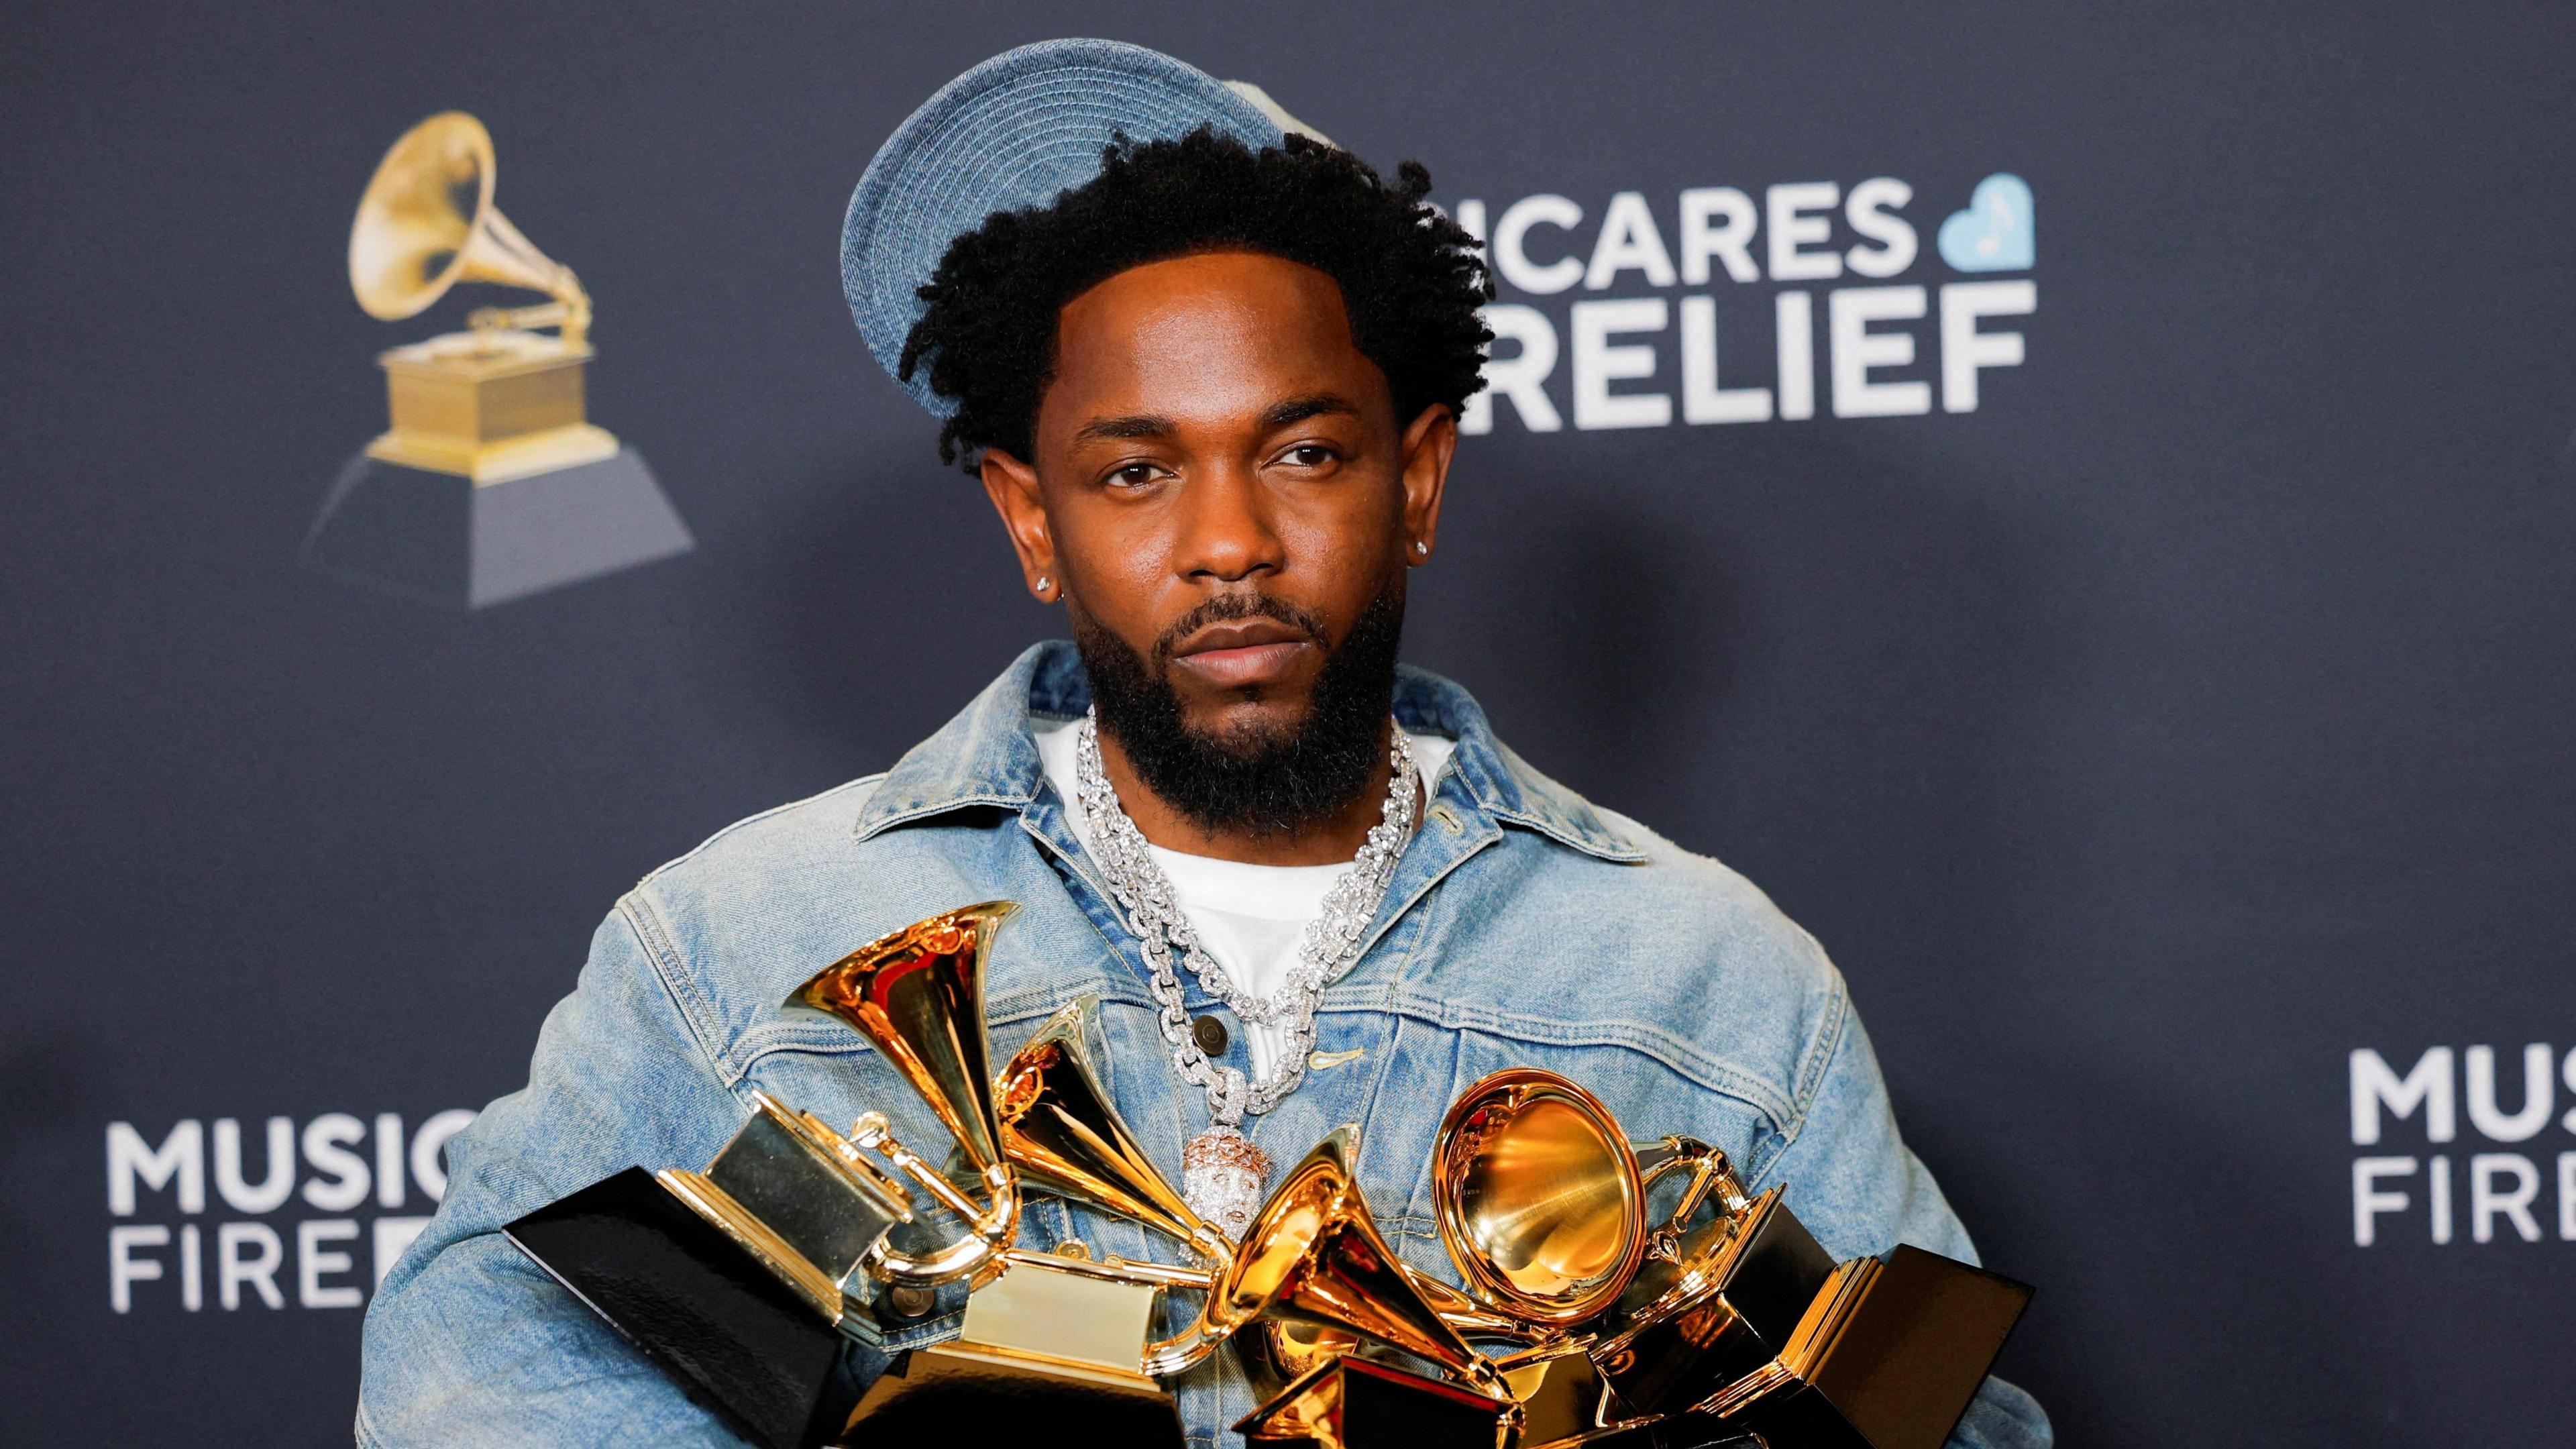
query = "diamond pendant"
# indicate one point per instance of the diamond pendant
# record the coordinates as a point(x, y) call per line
point(1222, 1176)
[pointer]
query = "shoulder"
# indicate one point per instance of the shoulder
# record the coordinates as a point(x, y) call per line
point(1672, 954)
point(732, 926)
point(1718, 916)
point(1716, 930)
point(816, 827)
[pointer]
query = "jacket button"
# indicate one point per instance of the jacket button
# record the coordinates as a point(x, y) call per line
point(910, 1301)
point(1209, 1033)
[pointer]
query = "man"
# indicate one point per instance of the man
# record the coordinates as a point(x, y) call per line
point(1211, 387)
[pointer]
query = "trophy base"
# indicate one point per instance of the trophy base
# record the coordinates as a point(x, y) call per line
point(1758, 1283)
point(445, 538)
point(549, 451)
point(1566, 1405)
point(720, 1323)
point(1887, 1357)
point(491, 404)
point(1351, 1403)
point(958, 1393)
point(1564, 1402)
point(1682, 1431)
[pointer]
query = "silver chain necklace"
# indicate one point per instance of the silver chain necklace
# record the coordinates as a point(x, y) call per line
point(1223, 1174)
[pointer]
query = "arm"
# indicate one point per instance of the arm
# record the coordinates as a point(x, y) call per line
point(1859, 1189)
point(468, 1342)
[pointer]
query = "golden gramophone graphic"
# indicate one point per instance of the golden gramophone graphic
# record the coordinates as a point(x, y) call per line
point(491, 482)
point(498, 401)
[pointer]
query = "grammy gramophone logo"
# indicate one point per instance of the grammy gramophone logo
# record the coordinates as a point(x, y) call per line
point(491, 482)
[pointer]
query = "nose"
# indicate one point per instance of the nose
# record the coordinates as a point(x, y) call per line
point(1227, 531)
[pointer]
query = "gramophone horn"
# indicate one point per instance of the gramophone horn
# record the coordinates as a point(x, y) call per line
point(917, 995)
point(1061, 1131)
point(427, 223)
point(1539, 1197)
point(1313, 1255)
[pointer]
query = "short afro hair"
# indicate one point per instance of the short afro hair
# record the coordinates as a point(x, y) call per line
point(1411, 279)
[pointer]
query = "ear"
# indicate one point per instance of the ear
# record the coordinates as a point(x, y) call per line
point(1429, 443)
point(1013, 487)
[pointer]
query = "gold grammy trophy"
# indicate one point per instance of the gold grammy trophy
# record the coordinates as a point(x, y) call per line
point(1724, 1318)
point(788, 1190)
point(1313, 1257)
point(1069, 1330)
point(1739, 1323)
point(541, 496)
point(1312, 1263)
point(790, 1204)
point(1044, 1333)
point(742, 1281)
point(1542, 1204)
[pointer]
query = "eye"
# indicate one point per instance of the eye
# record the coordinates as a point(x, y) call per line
point(1310, 455)
point(1132, 475)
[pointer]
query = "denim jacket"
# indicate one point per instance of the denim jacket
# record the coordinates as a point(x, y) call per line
point(1524, 927)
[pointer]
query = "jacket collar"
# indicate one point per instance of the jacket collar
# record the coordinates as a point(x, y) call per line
point(987, 757)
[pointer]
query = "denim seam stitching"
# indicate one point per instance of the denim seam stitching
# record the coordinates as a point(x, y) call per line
point(651, 933)
point(1812, 1071)
point(865, 829)
point(1048, 853)
point(1820, 1056)
point(773, 1038)
point(1619, 853)
point(1422, 900)
point(870, 781)
point(1636, 1036)
point(1487, 837)
point(1395, 1000)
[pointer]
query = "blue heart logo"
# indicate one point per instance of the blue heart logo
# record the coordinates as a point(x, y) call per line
point(1994, 233)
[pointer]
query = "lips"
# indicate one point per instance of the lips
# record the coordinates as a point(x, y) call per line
point(1243, 653)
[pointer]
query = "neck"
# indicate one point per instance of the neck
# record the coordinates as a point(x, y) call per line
point(1331, 840)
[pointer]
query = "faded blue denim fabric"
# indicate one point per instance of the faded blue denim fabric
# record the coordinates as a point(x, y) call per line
point(1524, 927)
point(1016, 131)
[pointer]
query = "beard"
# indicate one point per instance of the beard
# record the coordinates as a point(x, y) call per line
point(1267, 781)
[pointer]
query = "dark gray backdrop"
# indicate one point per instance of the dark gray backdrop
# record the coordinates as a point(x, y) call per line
point(2141, 744)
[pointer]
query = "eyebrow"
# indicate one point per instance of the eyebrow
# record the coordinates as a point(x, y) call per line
point(1139, 425)
point(1286, 413)
point(1298, 409)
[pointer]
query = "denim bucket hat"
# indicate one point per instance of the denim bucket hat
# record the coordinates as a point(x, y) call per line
point(1015, 132)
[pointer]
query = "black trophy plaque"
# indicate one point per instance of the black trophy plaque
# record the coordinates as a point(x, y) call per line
point(1888, 1356)
point(737, 1340)
point(1351, 1403)
point(956, 1394)
point(1749, 1300)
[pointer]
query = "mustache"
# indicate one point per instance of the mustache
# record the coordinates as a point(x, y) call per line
point(1225, 608)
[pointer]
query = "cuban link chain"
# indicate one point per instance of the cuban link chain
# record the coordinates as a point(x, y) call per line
point(1224, 1174)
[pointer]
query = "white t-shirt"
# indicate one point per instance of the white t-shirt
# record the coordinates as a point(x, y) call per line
point(1249, 917)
